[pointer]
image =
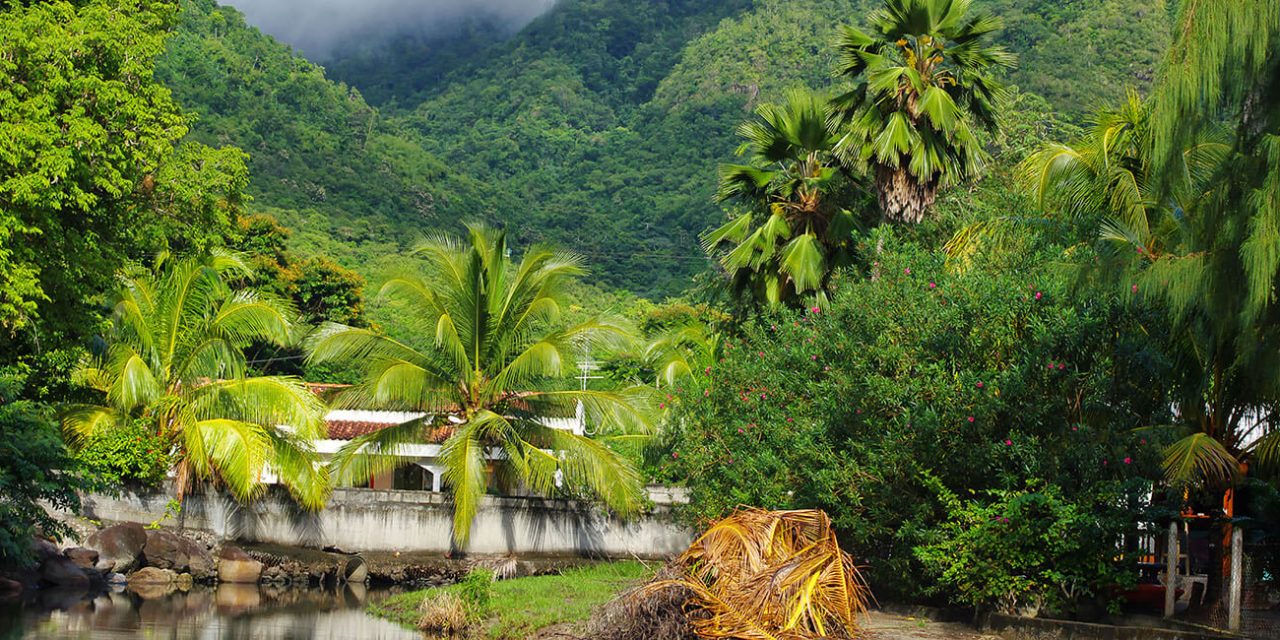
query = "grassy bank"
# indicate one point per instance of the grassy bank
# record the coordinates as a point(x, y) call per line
point(522, 606)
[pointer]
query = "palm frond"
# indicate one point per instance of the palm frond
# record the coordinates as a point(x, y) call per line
point(1199, 458)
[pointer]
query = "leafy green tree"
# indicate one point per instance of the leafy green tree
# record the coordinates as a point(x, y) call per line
point(796, 234)
point(174, 359)
point(924, 85)
point(986, 380)
point(89, 176)
point(34, 469)
point(487, 360)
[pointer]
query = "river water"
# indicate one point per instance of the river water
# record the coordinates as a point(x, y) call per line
point(225, 612)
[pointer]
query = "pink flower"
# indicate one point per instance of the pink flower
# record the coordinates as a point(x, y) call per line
point(933, 285)
point(1038, 294)
point(1008, 443)
point(790, 420)
point(979, 384)
point(970, 418)
point(816, 310)
point(826, 367)
point(760, 353)
point(1075, 428)
point(1061, 366)
point(1142, 441)
point(906, 271)
point(740, 430)
point(708, 371)
point(1135, 288)
point(662, 405)
point(1104, 463)
point(675, 454)
point(814, 358)
point(1051, 365)
point(1128, 460)
point(707, 392)
point(858, 411)
point(762, 396)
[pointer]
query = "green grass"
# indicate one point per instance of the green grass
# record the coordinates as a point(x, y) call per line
point(522, 606)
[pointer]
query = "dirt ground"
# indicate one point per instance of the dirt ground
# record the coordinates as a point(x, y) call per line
point(887, 626)
point(877, 625)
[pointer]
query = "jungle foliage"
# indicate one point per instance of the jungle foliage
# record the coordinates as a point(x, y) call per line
point(601, 140)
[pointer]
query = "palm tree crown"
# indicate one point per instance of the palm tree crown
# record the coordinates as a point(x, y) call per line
point(796, 236)
point(174, 360)
point(489, 367)
point(923, 83)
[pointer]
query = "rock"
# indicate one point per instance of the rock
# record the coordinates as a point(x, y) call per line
point(165, 550)
point(115, 579)
point(151, 583)
point(239, 571)
point(356, 571)
point(97, 580)
point(85, 558)
point(152, 575)
point(44, 549)
point(60, 571)
point(10, 588)
point(119, 547)
point(184, 582)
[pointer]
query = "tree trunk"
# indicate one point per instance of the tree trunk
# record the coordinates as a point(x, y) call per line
point(903, 198)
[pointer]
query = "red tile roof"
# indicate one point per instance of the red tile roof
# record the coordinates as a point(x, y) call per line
point(352, 429)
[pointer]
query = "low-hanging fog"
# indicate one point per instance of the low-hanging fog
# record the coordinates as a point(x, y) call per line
point(318, 27)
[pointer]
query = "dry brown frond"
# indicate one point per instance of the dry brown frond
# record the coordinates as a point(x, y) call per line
point(442, 613)
point(644, 614)
point(769, 575)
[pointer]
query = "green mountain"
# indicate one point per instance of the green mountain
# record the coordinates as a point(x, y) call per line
point(598, 126)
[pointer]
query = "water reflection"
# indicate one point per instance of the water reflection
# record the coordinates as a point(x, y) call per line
point(227, 612)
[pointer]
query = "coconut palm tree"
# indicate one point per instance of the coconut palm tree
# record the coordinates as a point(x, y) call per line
point(795, 235)
point(174, 360)
point(488, 366)
point(923, 85)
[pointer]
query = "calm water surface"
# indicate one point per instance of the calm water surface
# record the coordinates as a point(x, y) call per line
point(227, 612)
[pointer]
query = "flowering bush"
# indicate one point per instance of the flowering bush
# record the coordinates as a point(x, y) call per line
point(127, 457)
point(1021, 551)
point(915, 372)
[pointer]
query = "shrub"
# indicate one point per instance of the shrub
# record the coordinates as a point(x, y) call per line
point(443, 613)
point(1021, 551)
point(130, 456)
point(983, 381)
point(476, 591)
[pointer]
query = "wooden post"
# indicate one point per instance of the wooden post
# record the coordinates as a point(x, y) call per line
point(1237, 579)
point(1171, 575)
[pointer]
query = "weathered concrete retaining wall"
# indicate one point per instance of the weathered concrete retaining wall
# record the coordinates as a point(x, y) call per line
point(371, 520)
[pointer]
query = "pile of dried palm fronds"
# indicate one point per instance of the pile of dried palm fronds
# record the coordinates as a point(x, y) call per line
point(758, 575)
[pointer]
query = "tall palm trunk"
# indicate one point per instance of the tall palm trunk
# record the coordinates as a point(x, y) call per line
point(902, 196)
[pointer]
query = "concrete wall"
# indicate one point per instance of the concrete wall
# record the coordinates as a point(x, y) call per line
point(376, 520)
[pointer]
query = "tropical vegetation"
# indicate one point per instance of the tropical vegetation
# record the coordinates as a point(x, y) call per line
point(924, 84)
point(174, 359)
point(794, 235)
point(1071, 333)
point(487, 361)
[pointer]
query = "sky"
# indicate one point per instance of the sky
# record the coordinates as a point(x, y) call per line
point(316, 27)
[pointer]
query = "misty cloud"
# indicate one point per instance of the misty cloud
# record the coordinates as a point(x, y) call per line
point(316, 27)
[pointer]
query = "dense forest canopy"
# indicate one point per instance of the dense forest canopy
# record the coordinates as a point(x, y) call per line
point(602, 137)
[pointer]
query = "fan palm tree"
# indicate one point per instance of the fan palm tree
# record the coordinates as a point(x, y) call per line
point(489, 368)
point(795, 236)
point(923, 84)
point(174, 360)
